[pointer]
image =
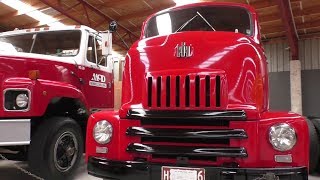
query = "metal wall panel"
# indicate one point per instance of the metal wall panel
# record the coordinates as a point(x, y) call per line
point(278, 55)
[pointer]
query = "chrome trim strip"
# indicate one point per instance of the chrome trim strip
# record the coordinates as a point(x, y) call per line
point(18, 143)
point(15, 132)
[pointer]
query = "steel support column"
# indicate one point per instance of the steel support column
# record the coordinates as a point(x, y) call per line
point(295, 64)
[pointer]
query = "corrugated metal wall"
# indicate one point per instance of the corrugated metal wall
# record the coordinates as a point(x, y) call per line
point(278, 55)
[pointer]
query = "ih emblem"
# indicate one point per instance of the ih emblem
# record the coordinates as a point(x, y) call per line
point(183, 50)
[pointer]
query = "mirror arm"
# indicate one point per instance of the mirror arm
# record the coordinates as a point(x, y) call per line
point(122, 40)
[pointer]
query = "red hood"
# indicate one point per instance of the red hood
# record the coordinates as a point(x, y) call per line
point(210, 50)
point(233, 56)
point(18, 65)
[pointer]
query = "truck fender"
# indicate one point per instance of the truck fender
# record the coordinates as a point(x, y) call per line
point(46, 92)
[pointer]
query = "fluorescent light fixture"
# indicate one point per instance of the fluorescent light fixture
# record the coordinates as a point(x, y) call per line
point(182, 2)
point(30, 11)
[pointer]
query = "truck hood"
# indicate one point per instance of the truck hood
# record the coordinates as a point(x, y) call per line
point(21, 55)
point(235, 59)
point(209, 50)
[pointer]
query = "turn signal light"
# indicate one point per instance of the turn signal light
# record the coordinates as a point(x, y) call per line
point(34, 74)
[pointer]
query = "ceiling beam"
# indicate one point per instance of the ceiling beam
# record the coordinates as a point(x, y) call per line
point(62, 11)
point(112, 3)
point(15, 13)
point(289, 25)
point(142, 13)
point(108, 18)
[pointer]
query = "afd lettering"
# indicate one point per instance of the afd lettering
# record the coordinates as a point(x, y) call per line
point(98, 78)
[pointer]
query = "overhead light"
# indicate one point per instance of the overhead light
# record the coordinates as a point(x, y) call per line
point(32, 12)
point(182, 2)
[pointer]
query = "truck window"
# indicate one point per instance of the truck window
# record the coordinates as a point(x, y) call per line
point(94, 51)
point(91, 55)
point(57, 43)
point(219, 18)
point(54, 43)
point(20, 43)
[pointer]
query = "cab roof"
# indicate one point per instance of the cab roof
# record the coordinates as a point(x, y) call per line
point(46, 29)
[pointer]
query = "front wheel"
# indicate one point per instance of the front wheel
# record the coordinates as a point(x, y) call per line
point(56, 148)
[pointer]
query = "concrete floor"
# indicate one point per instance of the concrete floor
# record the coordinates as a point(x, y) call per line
point(9, 172)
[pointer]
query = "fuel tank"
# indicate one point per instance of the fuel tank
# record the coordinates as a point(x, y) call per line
point(196, 70)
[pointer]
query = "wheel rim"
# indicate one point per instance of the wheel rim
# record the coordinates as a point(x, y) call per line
point(65, 151)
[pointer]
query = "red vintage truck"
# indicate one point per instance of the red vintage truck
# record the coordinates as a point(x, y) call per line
point(52, 79)
point(195, 105)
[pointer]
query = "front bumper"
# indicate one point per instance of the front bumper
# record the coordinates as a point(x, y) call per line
point(134, 170)
point(14, 132)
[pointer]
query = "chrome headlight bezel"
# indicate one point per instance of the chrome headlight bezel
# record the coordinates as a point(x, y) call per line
point(10, 99)
point(282, 137)
point(102, 132)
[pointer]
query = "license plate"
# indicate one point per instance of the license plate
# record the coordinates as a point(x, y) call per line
point(181, 173)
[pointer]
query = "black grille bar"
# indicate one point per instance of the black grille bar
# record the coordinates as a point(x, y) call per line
point(168, 90)
point(187, 151)
point(178, 91)
point(149, 91)
point(218, 91)
point(208, 91)
point(159, 91)
point(187, 93)
point(186, 114)
point(197, 91)
point(187, 133)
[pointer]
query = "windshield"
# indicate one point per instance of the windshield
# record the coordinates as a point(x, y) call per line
point(54, 43)
point(231, 19)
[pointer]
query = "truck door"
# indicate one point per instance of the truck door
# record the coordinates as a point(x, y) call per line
point(97, 76)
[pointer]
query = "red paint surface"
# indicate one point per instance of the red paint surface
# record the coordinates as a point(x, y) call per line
point(241, 63)
point(56, 80)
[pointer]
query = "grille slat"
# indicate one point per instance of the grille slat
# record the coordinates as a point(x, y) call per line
point(149, 91)
point(197, 91)
point(159, 91)
point(187, 89)
point(187, 151)
point(168, 90)
point(184, 91)
point(218, 91)
point(178, 91)
point(208, 91)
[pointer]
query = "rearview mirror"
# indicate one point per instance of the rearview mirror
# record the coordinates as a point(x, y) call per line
point(113, 26)
point(106, 43)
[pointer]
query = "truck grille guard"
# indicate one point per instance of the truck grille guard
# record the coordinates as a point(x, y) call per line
point(174, 134)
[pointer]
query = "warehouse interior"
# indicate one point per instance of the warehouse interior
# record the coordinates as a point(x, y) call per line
point(290, 32)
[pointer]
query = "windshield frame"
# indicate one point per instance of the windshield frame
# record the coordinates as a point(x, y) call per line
point(250, 14)
point(48, 31)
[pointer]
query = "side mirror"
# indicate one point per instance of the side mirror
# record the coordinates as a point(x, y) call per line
point(113, 26)
point(106, 43)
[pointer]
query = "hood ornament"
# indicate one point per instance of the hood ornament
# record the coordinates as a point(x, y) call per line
point(183, 50)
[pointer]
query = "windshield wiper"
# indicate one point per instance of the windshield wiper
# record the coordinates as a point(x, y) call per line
point(198, 14)
point(205, 20)
point(186, 23)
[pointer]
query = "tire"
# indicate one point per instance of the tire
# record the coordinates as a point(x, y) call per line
point(56, 149)
point(316, 122)
point(314, 154)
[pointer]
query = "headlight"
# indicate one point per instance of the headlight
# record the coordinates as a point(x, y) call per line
point(282, 137)
point(22, 100)
point(102, 132)
point(17, 99)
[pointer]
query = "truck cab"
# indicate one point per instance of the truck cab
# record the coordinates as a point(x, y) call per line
point(195, 104)
point(52, 79)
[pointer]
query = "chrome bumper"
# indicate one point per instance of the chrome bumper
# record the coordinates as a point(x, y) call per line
point(15, 132)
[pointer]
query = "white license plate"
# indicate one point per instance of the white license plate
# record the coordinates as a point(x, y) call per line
point(181, 173)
